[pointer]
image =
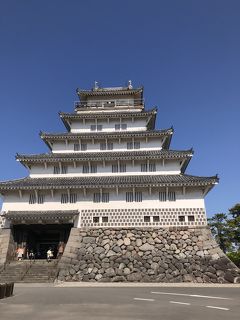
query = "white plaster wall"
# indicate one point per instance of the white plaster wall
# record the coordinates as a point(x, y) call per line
point(150, 144)
point(136, 125)
point(193, 198)
point(169, 167)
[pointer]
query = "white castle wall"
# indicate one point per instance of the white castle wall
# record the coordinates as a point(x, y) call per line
point(169, 167)
point(136, 125)
point(150, 144)
point(117, 209)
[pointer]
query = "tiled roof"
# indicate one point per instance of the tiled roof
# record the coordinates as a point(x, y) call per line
point(103, 135)
point(43, 215)
point(151, 114)
point(109, 91)
point(107, 182)
point(105, 115)
point(107, 155)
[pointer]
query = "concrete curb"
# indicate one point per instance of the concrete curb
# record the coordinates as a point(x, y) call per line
point(126, 285)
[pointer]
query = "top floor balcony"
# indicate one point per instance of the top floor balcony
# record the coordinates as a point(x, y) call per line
point(109, 104)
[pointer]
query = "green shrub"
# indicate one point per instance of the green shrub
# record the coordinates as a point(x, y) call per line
point(235, 257)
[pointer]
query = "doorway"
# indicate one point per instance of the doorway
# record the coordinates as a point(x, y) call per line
point(40, 238)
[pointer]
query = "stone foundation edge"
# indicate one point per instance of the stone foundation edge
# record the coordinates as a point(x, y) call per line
point(175, 254)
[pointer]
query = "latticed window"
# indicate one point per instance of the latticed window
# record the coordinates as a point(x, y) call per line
point(191, 218)
point(104, 219)
point(152, 167)
point(181, 218)
point(56, 170)
point(93, 168)
point(95, 127)
point(73, 197)
point(171, 196)
point(146, 218)
point(129, 145)
point(136, 145)
point(95, 219)
point(76, 146)
point(41, 198)
point(156, 219)
point(163, 196)
point(138, 196)
point(123, 167)
point(83, 146)
point(117, 126)
point(85, 168)
point(103, 146)
point(144, 167)
point(64, 169)
point(96, 197)
point(32, 198)
point(64, 198)
point(110, 146)
point(114, 168)
point(129, 196)
point(105, 197)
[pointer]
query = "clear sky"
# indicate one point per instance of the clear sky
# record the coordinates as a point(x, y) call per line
point(186, 54)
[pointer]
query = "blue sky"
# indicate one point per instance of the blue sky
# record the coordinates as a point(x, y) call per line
point(185, 53)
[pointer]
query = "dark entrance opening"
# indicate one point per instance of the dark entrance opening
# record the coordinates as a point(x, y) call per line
point(40, 238)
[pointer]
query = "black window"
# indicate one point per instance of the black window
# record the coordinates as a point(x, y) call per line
point(129, 196)
point(32, 198)
point(73, 197)
point(40, 199)
point(64, 198)
point(171, 196)
point(146, 218)
point(83, 146)
point(56, 170)
point(181, 218)
point(104, 219)
point(162, 196)
point(76, 147)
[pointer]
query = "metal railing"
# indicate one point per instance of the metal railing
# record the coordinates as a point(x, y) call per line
point(109, 103)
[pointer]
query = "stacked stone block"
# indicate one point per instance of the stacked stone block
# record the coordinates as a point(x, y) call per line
point(145, 255)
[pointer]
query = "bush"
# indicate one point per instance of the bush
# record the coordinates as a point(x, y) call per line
point(235, 257)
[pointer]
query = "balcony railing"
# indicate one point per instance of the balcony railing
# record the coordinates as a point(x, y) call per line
point(109, 103)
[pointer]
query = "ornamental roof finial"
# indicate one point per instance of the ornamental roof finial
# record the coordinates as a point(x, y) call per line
point(96, 85)
point(130, 84)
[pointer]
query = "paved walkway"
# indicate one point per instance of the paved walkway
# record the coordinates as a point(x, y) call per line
point(138, 302)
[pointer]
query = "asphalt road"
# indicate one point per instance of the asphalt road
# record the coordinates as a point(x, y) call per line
point(141, 303)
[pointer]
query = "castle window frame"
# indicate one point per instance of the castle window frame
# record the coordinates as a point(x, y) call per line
point(181, 218)
point(64, 198)
point(32, 198)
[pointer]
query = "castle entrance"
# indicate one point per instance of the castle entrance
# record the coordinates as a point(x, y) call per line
point(39, 238)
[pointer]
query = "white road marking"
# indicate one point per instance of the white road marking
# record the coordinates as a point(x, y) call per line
point(177, 302)
point(190, 295)
point(212, 307)
point(142, 299)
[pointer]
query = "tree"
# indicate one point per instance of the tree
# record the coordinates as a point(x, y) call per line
point(234, 226)
point(235, 211)
point(219, 227)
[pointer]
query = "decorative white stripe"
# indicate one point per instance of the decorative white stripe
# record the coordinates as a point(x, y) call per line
point(142, 299)
point(212, 307)
point(191, 295)
point(177, 302)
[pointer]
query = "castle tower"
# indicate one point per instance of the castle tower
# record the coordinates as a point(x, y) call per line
point(111, 176)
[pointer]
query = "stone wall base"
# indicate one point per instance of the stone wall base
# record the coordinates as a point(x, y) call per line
point(7, 248)
point(179, 254)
